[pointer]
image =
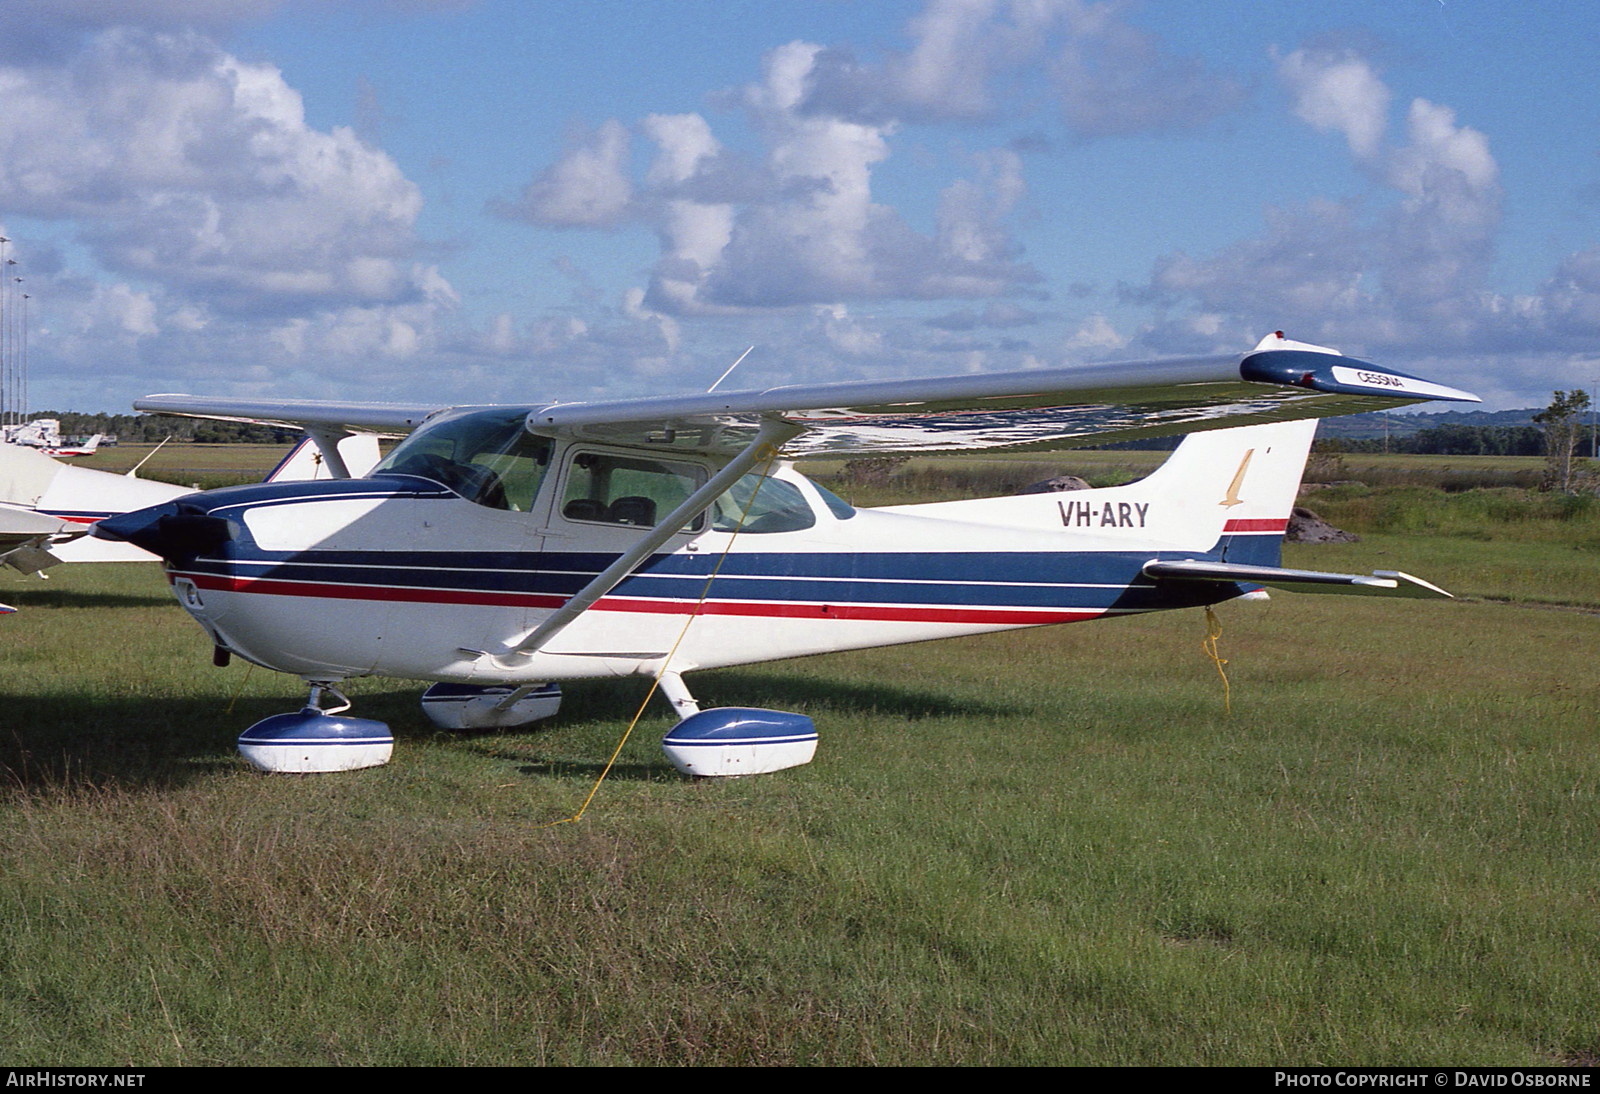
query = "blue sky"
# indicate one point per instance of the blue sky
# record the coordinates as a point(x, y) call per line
point(487, 200)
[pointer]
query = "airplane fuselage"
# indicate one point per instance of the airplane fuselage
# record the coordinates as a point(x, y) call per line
point(404, 576)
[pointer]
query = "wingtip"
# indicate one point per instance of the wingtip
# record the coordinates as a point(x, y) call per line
point(1321, 369)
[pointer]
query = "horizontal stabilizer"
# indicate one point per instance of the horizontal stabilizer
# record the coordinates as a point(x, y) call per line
point(29, 559)
point(18, 524)
point(1379, 583)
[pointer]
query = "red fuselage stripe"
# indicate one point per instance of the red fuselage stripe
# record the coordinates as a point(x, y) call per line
point(1273, 524)
point(784, 609)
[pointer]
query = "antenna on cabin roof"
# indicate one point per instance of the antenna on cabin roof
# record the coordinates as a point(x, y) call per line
point(731, 367)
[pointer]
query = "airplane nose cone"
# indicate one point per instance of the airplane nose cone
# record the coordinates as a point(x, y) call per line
point(175, 530)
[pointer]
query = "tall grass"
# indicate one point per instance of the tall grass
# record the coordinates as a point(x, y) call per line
point(988, 864)
point(1048, 847)
point(1503, 544)
point(202, 466)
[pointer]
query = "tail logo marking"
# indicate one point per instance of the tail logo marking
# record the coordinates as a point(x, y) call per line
point(1232, 498)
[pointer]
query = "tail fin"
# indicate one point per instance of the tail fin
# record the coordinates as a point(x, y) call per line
point(305, 462)
point(1258, 469)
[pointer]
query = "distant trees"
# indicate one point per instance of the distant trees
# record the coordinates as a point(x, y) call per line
point(144, 428)
point(1449, 440)
point(1562, 422)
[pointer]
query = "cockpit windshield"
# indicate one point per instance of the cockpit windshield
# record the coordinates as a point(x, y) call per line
point(486, 456)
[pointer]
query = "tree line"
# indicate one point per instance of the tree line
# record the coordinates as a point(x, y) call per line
point(149, 429)
point(1449, 440)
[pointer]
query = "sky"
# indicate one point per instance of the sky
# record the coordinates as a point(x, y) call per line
point(470, 201)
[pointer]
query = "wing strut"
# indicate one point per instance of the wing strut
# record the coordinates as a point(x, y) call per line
point(328, 443)
point(773, 433)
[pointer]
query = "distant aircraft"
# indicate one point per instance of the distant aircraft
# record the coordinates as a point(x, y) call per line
point(44, 435)
point(87, 448)
point(498, 550)
point(47, 508)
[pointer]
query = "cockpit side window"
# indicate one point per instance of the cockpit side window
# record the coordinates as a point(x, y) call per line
point(611, 488)
point(486, 456)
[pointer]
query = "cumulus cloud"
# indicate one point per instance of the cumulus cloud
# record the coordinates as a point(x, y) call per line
point(801, 224)
point(1338, 91)
point(1405, 267)
point(1568, 305)
point(49, 31)
point(1107, 77)
point(215, 233)
point(589, 187)
point(188, 166)
point(959, 50)
point(1114, 79)
point(947, 70)
point(1309, 262)
point(1096, 333)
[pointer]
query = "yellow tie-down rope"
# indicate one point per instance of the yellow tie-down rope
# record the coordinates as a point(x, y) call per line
point(767, 458)
point(1214, 632)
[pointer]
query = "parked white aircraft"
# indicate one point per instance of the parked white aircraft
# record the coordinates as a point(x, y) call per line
point(500, 549)
point(87, 448)
point(47, 508)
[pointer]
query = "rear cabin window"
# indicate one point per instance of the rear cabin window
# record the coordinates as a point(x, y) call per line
point(633, 490)
point(836, 505)
point(486, 456)
point(754, 505)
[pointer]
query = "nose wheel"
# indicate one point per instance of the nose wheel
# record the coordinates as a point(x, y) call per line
point(317, 739)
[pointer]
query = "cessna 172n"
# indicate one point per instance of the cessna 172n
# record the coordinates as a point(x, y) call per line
point(500, 549)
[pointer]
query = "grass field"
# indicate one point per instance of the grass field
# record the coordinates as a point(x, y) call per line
point(1051, 847)
point(207, 466)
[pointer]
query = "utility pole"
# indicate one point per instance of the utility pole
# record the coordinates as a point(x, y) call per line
point(22, 401)
point(14, 391)
point(6, 409)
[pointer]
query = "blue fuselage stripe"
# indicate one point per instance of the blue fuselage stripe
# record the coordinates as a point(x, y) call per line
point(1070, 579)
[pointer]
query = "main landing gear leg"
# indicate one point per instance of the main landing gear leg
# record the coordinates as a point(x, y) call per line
point(733, 740)
point(677, 693)
point(316, 740)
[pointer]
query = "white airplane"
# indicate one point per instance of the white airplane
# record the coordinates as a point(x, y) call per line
point(47, 508)
point(498, 550)
point(87, 448)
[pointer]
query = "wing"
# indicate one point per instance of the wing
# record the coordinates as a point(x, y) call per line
point(384, 419)
point(1035, 409)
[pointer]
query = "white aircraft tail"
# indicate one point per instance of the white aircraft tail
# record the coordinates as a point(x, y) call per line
point(306, 463)
point(1231, 490)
